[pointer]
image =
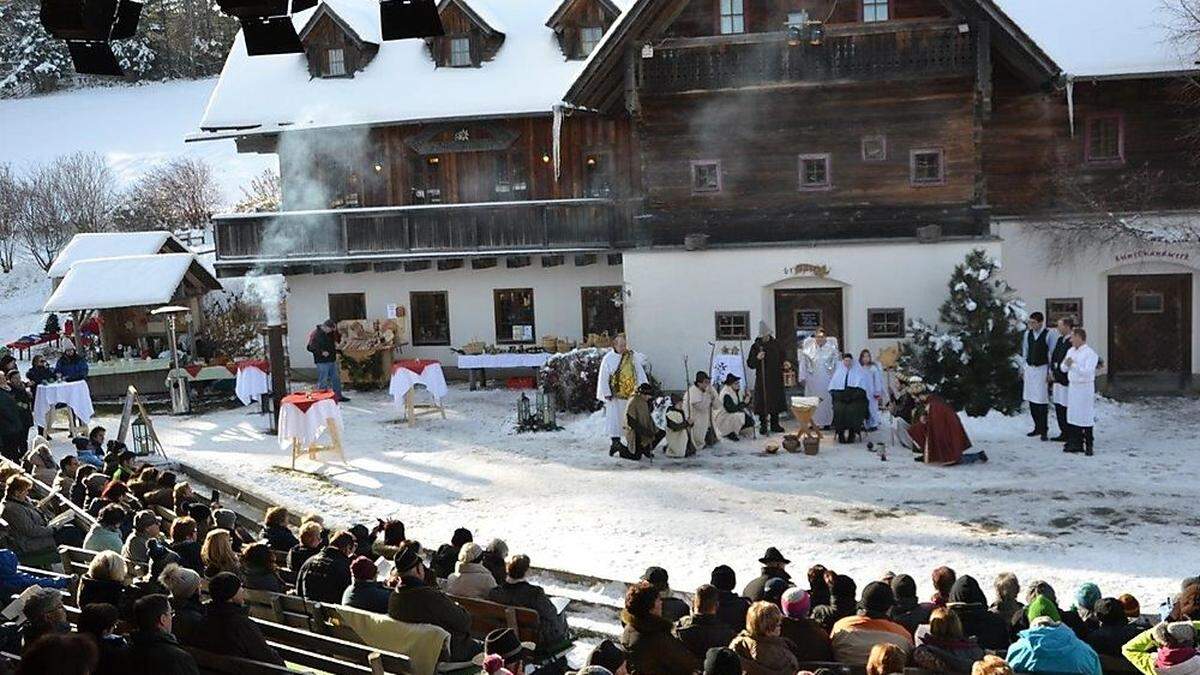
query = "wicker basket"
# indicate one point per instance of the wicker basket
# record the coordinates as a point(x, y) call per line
point(473, 348)
point(812, 445)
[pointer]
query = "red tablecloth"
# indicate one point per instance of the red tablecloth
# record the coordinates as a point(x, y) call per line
point(262, 364)
point(194, 369)
point(416, 365)
point(304, 401)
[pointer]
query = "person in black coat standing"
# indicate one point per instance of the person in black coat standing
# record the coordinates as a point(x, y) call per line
point(325, 576)
point(1061, 384)
point(322, 344)
point(773, 567)
point(154, 650)
point(767, 358)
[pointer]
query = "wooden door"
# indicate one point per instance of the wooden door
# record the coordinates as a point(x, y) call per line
point(1150, 324)
point(804, 310)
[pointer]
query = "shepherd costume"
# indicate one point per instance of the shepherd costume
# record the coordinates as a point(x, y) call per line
point(816, 364)
point(1080, 366)
point(1035, 351)
point(876, 393)
point(769, 399)
point(848, 388)
point(941, 437)
point(643, 433)
point(620, 375)
point(731, 417)
point(678, 439)
point(699, 405)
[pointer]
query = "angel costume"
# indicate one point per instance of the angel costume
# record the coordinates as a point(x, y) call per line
point(620, 375)
point(816, 364)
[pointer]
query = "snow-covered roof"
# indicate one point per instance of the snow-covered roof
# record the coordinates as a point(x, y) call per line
point(1104, 38)
point(529, 74)
point(105, 283)
point(108, 245)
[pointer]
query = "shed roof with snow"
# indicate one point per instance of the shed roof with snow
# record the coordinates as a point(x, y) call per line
point(110, 244)
point(130, 281)
point(402, 83)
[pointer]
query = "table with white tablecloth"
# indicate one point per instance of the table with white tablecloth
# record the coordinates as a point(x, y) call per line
point(304, 418)
point(407, 374)
point(252, 381)
point(74, 395)
point(479, 363)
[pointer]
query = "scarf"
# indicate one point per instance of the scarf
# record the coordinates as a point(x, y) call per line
point(1173, 656)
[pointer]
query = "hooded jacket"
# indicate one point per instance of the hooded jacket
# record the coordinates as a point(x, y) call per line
point(970, 604)
point(1140, 651)
point(13, 581)
point(1052, 647)
point(651, 649)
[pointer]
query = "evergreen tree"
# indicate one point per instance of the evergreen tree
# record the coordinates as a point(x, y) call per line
point(28, 55)
point(51, 325)
point(971, 357)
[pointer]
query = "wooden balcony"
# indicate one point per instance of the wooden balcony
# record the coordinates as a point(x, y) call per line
point(411, 232)
point(854, 53)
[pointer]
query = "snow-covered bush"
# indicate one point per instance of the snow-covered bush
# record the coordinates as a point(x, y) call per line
point(571, 377)
point(971, 356)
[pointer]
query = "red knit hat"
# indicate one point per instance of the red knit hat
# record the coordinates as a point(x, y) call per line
point(363, 568)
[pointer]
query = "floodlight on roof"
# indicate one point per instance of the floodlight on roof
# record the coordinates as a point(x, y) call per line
point(94, 57)
point(87, 26)
point(403, 19)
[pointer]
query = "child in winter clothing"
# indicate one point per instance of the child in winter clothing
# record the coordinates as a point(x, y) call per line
point(1166, 649)
point(1050, 646)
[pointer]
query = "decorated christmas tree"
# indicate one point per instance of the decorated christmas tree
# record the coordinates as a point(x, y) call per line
point(971, 356)
point(51, 325)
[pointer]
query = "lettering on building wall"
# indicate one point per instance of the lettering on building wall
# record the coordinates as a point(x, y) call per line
point(807, 270)
point(1153, 254)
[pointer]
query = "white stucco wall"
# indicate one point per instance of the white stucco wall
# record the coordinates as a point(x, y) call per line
point(1086, 276)
point(673, 294)
point(557, 305)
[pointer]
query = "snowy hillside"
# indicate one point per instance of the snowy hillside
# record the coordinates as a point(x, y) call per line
point(22, 294)
point(133, 127)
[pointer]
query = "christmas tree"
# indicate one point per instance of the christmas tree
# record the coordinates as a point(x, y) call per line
point(51, 325)
point(971, 356)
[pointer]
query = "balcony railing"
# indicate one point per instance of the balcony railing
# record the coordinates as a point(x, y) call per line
point(427, 229)
point(855, 53)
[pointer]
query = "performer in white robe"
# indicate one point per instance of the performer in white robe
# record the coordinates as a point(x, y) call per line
point(1080, 365)
point(732, 419)
point(874, 386)
point(1036, 345)
point(699, 404)
point(817, 358)
point(678, 441)
point(622, 367)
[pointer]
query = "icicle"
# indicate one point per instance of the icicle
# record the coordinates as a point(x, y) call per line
point(558, 120)
point(1071, 103)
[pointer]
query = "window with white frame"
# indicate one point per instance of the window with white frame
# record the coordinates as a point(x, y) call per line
point(733, 17)
point(460, 52)
point(589, 37)
point(335, 63)
point(814, 172)
point(927, 167)
point(875, 10)
point(706, 175)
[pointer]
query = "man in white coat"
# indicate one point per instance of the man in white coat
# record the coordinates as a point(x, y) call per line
point(1080, 365)
point(698, 405)
point(817, 358)
point(1036, 345)
point(621, 371)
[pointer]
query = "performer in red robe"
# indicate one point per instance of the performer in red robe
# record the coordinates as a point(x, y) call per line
point(940, 436)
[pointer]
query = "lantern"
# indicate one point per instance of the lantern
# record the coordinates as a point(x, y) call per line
point(140, 437)
point(522, 410)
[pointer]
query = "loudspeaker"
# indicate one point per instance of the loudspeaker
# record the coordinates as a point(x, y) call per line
point(128, 13)
point(271, 35)
point(403, 19)
point(94, 58)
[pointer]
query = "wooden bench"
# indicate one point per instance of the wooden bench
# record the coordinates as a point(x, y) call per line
point(220, 664)
point(339, 621)
point(76, 561)
point(299, 646)
point(487, 616)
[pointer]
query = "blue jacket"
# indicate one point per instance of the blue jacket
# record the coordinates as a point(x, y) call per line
point(14, 581)
point(72, 370)
point(1052, 648)
point(369, 596)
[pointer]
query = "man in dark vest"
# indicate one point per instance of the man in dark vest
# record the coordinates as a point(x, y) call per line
point(1035, 352)
point(1059, 388)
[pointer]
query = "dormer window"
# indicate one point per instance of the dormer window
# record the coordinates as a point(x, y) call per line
point(460, 52)
point(589, 37)
point(580, 24)
point(335, 63)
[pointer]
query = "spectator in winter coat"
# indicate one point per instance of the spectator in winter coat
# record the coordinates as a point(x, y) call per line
point(673, 609)
point(146, 528)
point(310, 545)
point(1050, 646)
point(967, 600)
point(392, 541)
point(943, 647)
point(79, 488)
point(1113, 630)
point(364, 592)
point(1007, 589)
point(908, 610)
point(702, 630)
point(44, 615)
point(104, 581)
point(160, 558)
point(470, 579)
point(71, 366)
point(415, 601)
point(517, 592)
point(217, 554)
point(97, 621)
point(225, 519)
point(853, 636)
point(773, 567)
point(13, 432)
point(1086, 597)
point(731, 607)
point(259, 571)
point(153, 649)
point(64, 480)
point(647, 638)
point(184, 587)
point(39, 462)
point(761, 646)
point(39, 372)
point(943, 580)
point(276, 532)
point(90, 449)
point(105, 535)
point(325, 576)
point(1067, 616)
point(145, 482)
point(29, 531)
point(322, 344)
point(227, 628)
point(818, 588)
point(446, 557)
point(807, 636)
point(1166, 649)
point(13, 581)
point(495, 559)
point(163, 493)
point(841, 603)
point(185, 545)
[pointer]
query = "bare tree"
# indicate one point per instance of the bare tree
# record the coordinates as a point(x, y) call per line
point(181, 194)
point(88, 190)
point(263, 194)
point(10, 206)
point(44, 218)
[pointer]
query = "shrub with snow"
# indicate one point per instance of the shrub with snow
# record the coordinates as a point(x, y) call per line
point(971, 356)
point(571, 378)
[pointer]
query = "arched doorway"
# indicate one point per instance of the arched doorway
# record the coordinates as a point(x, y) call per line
point(800, 311)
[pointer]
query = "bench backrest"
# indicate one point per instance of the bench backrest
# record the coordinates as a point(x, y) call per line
point(333, 647)
point(487, 616)
point(292, 610)
point(210, 662)
point(425, 642)
point(76, 561)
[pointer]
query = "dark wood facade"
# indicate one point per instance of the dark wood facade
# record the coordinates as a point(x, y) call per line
point(573, 16)
point(325, 32)
point(461, 23)
point(701, 17)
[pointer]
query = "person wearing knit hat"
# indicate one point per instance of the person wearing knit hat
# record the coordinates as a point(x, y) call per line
point(722, 661)
point(795, 603)
point(908, 610)
point(365, 592)
point(470, 579)
point(1050, 646)
point(1086, 597)
point(774, 589)
point(146, 528)
point(1114, 629)
point(853, 637)
point(673, 609)
point(227, 520)
point(810, 641)
point(1166, 649)
point(71, 366)
point(969, 603)
point(227, 628)
point(43, 614)
point(504, 643)
point(842, 602)
point(731, 609)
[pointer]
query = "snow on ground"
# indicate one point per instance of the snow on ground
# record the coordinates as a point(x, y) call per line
point(22, 293)
point(134, 127)
point(1120, 518)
